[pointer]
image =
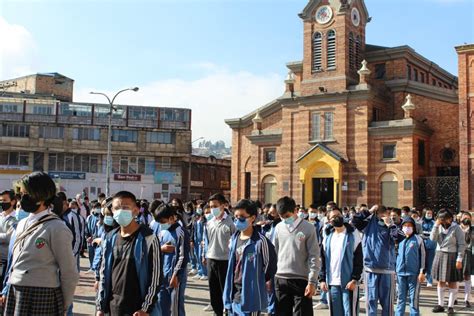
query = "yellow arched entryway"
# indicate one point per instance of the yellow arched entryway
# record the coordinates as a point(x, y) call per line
point(319, 168)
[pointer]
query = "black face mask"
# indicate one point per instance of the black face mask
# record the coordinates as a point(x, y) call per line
point(446, 225)
point(5, 205)
point(270, 217)
point(28, 204)
point(337, 221)
point(467, 222)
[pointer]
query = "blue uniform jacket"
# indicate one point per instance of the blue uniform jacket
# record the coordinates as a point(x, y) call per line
point(149, 277)
point(175, 262)
point(198, 231)
point(258, 267)
point(352, 258)
point(427, 226)
point(411, 256)
point(378, 243)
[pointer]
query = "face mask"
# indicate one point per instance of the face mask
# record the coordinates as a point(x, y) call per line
point(199, 211)
point(466, 222)
point(312, 215)
point(241, 224)
point(108, 220)
point(28, 204)
point(123, 217)
point(96, 211)
point(320, 217)
point(270, 217)
point(216, 211)
point(337, 221)
point(74, 209)
point(5, 205)
point(165, 226)
point(290, 220)
point(301, 215)
point(429, 216)
point(382, 223)
point(209, 216)
point(446, 225)
point(21, 214)
point(407, 230)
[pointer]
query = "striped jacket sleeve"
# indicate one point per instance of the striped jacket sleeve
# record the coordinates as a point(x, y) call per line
point(269, 258)
point(422, 253)
point(154, 264)
point(76, 233)
point(183, 241)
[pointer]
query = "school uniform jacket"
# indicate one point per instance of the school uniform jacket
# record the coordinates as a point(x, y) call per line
point(411, 256)
point(149, 277)
point(352, 258)
point(258, 266)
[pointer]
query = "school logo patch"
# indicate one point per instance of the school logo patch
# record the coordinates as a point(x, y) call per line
point(40, 242)
point(300, 236)
point(250, 256)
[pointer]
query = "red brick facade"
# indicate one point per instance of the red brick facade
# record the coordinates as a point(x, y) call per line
point(359, 112)
point(466, 124)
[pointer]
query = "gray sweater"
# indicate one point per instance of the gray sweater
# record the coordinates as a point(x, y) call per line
point(218, 236)
point(6, 222)
point(45, 259)
point(452, 240)
point(297, 251)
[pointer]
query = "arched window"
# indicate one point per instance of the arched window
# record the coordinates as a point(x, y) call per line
point(317, 52)
point(351, 51)
point(358, 59)
point(269, 189)
point(331, 49)
point(389, 189)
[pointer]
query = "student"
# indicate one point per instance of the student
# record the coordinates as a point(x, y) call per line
point(76, 224)
point(7, 221)
point(342, 265)
point(468, 261)
point(252, 265)
point(197, 237)
point(131, 265)
point(303, 213)
point(219, 232)
point(430, 245)
point(175, 249)
point(447, 265)
point(269, 230)
point(297, 249)
point(43, 274)
point(91, 232)
point(378, 246)
point(410, 269)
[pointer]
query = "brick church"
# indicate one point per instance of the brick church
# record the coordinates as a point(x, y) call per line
point(357, 123)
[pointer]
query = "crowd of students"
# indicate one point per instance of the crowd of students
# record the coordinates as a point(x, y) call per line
point(257, 259)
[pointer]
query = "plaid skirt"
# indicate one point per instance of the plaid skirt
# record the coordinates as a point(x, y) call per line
point(444, 267)
point(26, 301)
point(468, 263)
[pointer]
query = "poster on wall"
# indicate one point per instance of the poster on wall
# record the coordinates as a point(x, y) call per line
point(161, 177)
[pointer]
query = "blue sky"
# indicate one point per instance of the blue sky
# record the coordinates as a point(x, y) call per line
point(220, 58)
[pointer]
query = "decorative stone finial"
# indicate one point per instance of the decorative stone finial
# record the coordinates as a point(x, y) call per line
point(408, 107)
point(257, 118)
point(257, 123)
point(364, 70)
point(290, 78)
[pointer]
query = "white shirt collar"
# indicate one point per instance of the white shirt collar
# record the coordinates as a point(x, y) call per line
point(12, 214)
point(33, 218)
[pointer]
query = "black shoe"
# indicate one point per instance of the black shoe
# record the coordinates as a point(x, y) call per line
point(456, 302)
point(450, 311)
point(438, 309)
point(468, 305)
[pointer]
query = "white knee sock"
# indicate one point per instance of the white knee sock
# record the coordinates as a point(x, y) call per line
point(453, 293)
point(467, 289)
point(441, 296)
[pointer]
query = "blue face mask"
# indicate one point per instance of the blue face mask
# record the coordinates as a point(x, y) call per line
point(21, 214)
point(199, 211)
point(123, 217)
point(165, 226)
point(290, 220)
point(302, 215)
point(241, 224)
point(108, 220)
point(208, 216)
point(312, 215)
point(216, 211)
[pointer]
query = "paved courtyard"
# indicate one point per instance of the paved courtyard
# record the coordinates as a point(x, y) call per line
point(197, 297)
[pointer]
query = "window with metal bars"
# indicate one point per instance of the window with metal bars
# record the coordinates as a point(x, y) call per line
point(331, 49)
point(358, 57)
point(317, 52)
point(351, 51)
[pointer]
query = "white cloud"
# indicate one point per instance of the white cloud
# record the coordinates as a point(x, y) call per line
point(213, 97)
point(17, 51)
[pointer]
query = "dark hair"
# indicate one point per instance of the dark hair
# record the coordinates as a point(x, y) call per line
point(10, 193)
point(96, 205)
point(258, 204)
point(444, 213)
point(61, 196)
point(164, 211)
point(285, 204)
point(101, 195)
point(248, 206)
point(189, 206)
point(267, 206)
point(217, 197)
point(39, 186)
point(125, 195)
point(396, 210)
point(405, 209)
point(414, 212)
point(313, 206)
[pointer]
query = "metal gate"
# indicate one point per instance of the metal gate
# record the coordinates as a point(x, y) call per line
point(438, 192)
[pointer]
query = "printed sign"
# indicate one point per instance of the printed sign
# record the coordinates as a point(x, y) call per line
point(68, 175)
point(161, 177)
point(127, 177)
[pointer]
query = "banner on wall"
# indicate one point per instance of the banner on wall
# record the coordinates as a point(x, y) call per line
point(167, 177)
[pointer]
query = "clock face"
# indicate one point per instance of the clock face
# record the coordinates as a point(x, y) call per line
point(324, 14)
point(355, 17)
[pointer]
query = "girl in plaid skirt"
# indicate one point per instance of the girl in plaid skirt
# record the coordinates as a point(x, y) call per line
point(447, 266)
point(468, 262)
point(43, 272)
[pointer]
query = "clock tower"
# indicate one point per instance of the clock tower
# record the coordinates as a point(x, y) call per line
point(334, 44)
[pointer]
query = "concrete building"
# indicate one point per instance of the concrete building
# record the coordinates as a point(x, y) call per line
point(466, 124)
point(357, 123)
point(41, 129)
